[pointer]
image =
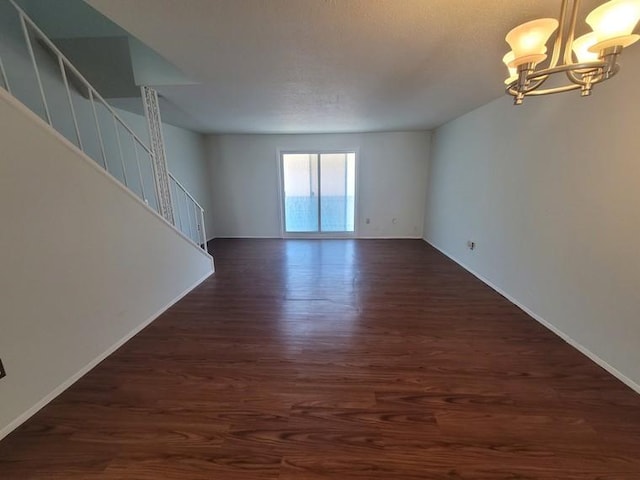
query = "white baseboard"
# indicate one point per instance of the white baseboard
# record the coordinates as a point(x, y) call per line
point(248, 237)
point(87, 368)
point(321, 237)
point(581, 348)
point(396, 237)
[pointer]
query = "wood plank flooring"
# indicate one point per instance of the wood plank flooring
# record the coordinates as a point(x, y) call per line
point(336, 359)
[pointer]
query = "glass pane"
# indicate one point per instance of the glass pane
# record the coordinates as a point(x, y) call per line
point(300, 192)
point(337, 181)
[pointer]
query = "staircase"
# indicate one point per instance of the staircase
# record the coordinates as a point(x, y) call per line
point(36, 72)
point(98, 239)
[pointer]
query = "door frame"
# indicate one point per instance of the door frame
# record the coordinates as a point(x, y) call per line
point(281, 152)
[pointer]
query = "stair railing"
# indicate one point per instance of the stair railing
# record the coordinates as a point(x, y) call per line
point(139, 178)
point(189, 215)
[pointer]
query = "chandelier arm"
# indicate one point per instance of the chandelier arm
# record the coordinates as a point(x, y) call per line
point(538, 78)
point(557, 46)
point(595, 78)
point(568, 46)
point(539, 81)
point(592, 77)
point(514, 85)
point(586, 66)
point(549, 91)
point(607, 75)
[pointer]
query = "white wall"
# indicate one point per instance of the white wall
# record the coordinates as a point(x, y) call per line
point(84, 263)
point(392, 171)
point(550, 191)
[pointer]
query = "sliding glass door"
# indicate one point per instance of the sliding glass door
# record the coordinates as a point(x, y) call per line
point(319, 192)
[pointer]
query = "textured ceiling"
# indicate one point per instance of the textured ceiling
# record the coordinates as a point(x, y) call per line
point(310, 66)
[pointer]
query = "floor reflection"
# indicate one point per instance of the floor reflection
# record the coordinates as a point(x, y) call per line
point(313, 307)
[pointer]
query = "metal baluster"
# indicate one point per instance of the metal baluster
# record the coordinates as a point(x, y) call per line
point(5, 79)
point(197, 224)
point(188, 215)
point(196, 228)
point(196, 231)
point(135, 149)
point(32, 54)
point(73, 110)
point(155, 184)
point(204, 234)
point(177, 201)
point(124, 168)
point(95, 116)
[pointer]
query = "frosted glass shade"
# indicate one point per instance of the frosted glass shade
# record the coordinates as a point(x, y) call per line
point(616, 18)
point(513, 71)
point(508, 59)
point(582, 45)
point(528, 41)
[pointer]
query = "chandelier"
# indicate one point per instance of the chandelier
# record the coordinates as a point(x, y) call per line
point(584, 61)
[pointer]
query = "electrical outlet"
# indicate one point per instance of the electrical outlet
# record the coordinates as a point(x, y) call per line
point(3, 373)
point(471, 245)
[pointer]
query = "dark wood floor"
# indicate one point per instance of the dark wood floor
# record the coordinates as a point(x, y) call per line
point(336, 360)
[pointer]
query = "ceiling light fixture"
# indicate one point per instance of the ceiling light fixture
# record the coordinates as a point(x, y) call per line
point(596, 53)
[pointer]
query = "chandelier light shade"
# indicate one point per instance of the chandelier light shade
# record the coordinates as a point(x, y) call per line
point(614, 20)
point(583, 62)
point(513, 71)
point(582, 46)
point(528, 41)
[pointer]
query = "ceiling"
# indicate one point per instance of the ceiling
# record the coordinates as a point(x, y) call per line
point(323, 66)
